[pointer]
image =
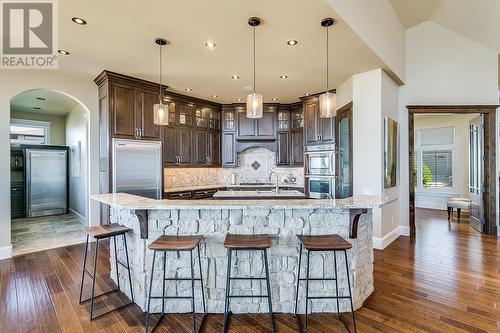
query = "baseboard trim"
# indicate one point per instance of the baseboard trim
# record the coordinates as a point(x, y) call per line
point(5, 252)
point(381, 243)
point(79, 215)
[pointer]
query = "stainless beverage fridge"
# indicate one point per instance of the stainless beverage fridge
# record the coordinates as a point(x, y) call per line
point(46, 180)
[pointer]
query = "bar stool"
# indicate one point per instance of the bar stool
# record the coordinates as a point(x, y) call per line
point(103, 232)
point(183, 244)
point(324, 243)
point(247, 243)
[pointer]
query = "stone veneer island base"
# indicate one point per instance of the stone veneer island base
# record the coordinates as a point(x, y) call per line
point(281, 219)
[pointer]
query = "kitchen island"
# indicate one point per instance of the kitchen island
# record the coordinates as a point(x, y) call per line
point(283, 219)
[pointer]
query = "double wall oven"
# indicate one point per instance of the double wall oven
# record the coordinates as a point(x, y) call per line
point(319, 171)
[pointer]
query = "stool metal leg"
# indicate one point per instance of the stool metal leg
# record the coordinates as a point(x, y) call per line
point(116, 263)
point(193, 310)
point(128, 268)
point(269, 298)
point(298, 281)
point(84, 265)
point(307, 289)
point(150, 288)
point(228, 285)
point(93, 280)
point(350, 293)
point(201, 281)
point(336, 281)
point(164, 280)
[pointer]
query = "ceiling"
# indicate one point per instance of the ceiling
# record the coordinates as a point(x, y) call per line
point(119, 37)
point(55, 103)
point(413, 12)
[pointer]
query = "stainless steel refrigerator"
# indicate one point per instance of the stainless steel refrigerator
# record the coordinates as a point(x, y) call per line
point(137, 168)
point(46, 180)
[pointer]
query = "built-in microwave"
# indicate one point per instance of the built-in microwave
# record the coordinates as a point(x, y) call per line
point(320, 187)
point(319, 160)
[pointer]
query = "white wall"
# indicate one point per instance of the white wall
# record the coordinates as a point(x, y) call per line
point(378, 25)
point(375, 96)
point(76, 139)
point(438, 198)
point(14, 82)
point(443, 67)
point(57, 124)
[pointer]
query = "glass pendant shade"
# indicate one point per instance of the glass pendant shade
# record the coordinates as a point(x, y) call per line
point(328, 105)
point(160, 112)
point(254, 105)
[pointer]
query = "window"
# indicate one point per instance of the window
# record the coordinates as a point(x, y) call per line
point(24, 131)
point(437, 168)
point(434, 158)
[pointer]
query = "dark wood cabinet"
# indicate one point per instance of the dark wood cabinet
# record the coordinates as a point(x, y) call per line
point(228, 149)
point(317, 130)
point(283, 153)
point(185, 151)
point(297, 147)
point(214, 141)
point(201, 153)
point(249, 129)
point(169, 144)
point(132, 113)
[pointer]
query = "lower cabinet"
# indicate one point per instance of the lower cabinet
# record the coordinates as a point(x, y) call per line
point(17, 208)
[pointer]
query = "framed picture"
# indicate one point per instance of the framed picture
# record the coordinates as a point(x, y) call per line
point(390, 152)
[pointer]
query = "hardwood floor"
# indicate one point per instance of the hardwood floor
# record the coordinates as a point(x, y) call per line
point(445, 280)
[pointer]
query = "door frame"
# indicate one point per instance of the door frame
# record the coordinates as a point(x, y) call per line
point(489, 166)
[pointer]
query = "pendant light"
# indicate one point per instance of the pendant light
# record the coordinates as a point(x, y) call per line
point(328, 100)
point(254, 100)
point(160, 110)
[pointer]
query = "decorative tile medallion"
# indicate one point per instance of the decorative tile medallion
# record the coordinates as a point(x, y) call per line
point(255, 165)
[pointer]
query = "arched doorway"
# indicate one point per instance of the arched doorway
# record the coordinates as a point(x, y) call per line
point(49, 137)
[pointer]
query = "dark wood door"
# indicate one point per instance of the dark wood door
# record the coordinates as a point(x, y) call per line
point(201, 145)
point(310, 126)
point(169, 144)
point(149, 130)
point(297, 147)
point(123, 115)
point(283, 156)
point(344, 170)
point(185, 151)
point(266, 126)
point(228, 149)
point(214, 147)
point(246, 126)
point(326, 129)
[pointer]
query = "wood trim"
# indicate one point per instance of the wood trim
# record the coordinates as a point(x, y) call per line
point(354, 215)
point(452, 108)
point(125, 79)
point(489, 165)
point(345, 108)
point(316, 95)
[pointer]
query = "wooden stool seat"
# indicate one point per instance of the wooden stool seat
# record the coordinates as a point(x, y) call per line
point(233, 241)
point(175, 243)
point(324, 243)
point(106, 230)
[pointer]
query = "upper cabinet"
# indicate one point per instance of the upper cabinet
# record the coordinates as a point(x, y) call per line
point(130, 103)
point(317, 130)
point(256, 129)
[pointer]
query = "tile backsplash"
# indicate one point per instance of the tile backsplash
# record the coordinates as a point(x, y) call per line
point(254, 166)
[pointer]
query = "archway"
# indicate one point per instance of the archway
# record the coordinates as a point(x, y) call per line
point(50, 169)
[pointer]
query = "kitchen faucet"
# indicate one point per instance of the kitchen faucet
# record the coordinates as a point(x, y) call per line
point(277, 180)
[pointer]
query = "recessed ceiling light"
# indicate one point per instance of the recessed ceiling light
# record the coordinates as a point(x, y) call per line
point(40, 98)
point(283, 76)
point(188, 89)
point(307, 94)
point(36, 108)
point(210, 44)
point(235, 77)
point(275, 99)
point(291, 42)
point(63, 52)
point(214, 95)
point(79, 20)
point(239, 99)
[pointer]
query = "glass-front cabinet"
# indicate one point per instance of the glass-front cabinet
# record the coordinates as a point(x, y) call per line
point(283, 120)
point(297, 116)
point(201, 117)
point(214, 119)
point(344, 157)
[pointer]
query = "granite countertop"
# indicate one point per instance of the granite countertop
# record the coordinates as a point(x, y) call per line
point(128, 201)
point(229, 186)
point(259, 194)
